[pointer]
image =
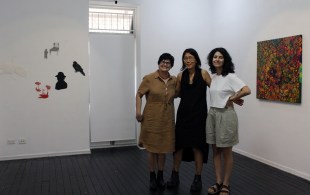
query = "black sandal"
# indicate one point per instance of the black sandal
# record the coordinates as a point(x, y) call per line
point(215, 188)
point(225, 189)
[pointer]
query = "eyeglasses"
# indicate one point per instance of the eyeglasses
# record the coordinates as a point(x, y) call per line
point(189, 58)
point(165, 62)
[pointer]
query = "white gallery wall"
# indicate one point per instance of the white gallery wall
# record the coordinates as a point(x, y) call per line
point(171, 26)
point(58, 124)
point(272, 132)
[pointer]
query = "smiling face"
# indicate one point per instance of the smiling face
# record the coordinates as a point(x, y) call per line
point(164, 65)
point(218, 61)
point(189, 61)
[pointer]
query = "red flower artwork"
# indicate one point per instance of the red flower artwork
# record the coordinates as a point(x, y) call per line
point(44, 92)
point(38, 86)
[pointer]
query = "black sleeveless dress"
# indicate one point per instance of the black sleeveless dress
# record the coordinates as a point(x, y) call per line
point(191, 116)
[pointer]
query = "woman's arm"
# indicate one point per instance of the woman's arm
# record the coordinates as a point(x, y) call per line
point(178, 85)
point(206, 77)
point(244, 91)
point(139, 116)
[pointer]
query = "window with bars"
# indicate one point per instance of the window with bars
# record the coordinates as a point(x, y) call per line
point(107, 20)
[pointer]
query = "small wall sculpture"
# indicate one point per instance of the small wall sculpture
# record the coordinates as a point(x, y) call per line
point(78, 68)
point(55, 48)
point(43, 92)
point(279, 69)
point(61, 83)
point(45, 53)
point(12, 69)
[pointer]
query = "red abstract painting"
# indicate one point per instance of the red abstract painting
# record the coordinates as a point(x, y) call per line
point(279, 69)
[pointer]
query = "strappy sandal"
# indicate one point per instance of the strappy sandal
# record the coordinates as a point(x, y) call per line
point(225, 190)
point(215, 188)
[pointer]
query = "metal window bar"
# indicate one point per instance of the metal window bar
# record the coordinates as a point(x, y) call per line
point(105, 22)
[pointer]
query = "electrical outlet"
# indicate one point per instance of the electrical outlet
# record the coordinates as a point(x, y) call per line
point(11, 141)
point(22, 141)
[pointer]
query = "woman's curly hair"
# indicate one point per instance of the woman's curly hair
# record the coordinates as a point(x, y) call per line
point(228, 66)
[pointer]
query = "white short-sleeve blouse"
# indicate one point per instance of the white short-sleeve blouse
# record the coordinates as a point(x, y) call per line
point(222, 87)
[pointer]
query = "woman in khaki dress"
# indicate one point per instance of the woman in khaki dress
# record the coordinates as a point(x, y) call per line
point(157, 120)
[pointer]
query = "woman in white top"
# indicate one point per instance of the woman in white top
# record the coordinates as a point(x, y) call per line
point(222, 122)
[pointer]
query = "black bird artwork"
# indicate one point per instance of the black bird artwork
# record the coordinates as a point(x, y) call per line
point(78, 68)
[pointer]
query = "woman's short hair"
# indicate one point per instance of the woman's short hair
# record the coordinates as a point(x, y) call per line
point(166, 56)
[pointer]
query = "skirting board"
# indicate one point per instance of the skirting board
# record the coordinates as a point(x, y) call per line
point(42, 155)
point(112, 144)
point(273, 164)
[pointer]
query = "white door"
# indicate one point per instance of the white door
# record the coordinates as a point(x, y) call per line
point(112, 87)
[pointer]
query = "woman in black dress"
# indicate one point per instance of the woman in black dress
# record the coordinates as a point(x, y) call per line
point(190, 130)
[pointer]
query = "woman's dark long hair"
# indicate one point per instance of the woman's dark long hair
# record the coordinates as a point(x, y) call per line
point(193, 53)
point(228, 66)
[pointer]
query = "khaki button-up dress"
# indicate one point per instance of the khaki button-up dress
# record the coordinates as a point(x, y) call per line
point(158, 125)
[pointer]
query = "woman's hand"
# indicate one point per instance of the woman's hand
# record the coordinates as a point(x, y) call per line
point(139, 117)
point(238, 102)
point(236, 98)
point(233, 99)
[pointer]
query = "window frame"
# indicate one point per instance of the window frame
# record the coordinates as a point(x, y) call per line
point(132, 29)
